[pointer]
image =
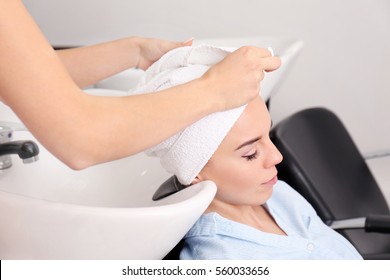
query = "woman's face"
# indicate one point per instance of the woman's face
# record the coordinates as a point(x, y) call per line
point(243, 167)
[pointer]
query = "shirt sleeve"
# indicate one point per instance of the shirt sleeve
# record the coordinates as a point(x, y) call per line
point(205, 248)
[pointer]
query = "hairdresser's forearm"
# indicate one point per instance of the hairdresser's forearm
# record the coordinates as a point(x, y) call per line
point(83, 130)
point(112, 128)
point(90, 64)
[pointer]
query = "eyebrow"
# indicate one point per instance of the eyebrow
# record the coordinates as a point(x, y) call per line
point(249, 142)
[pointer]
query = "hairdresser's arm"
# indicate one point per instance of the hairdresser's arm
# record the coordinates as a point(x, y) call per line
point(83, 130)
point(90, 64)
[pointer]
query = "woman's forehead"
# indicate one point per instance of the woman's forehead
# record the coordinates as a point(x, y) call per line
point(253, 122)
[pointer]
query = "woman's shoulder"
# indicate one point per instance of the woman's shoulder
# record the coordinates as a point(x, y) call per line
point(203, 240)
point(206, 225)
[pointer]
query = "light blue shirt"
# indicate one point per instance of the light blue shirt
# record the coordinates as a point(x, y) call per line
point(215, 237)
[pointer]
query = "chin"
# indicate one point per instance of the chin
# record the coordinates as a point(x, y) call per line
point(265, 195)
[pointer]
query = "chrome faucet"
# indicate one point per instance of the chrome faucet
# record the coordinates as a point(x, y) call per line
point(27, 150)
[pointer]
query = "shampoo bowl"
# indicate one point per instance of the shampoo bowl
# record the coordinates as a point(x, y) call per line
point(48, 211)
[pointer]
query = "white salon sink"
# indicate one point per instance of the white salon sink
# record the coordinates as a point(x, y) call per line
point(48, 211)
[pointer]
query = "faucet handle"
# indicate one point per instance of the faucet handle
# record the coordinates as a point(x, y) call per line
point(11, 126)
point(6, 129)
point(27, 150)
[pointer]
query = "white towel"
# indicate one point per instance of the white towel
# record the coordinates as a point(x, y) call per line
point(172, 68)
point(187, 152)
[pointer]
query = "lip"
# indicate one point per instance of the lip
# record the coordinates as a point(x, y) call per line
point(272, 181)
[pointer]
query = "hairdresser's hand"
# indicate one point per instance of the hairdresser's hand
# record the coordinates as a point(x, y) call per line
point(236, 79)
point(151, 50)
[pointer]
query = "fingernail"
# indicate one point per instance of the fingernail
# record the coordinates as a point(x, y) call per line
point(271, 50)
point(188, 40)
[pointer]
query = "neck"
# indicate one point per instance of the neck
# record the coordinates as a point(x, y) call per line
point(256, 216)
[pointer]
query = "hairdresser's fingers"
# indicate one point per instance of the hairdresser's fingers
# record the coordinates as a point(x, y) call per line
point(150, 50)
point(166, 46)
point(254, 52)
point(258, 59)
point(188, 42)
point(236, 79)
point(269, 64)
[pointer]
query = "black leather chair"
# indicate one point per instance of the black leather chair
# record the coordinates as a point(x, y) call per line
point(322, 163)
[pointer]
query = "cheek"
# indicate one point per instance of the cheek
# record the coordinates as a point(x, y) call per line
point(230, 172)
point(242, 176)
point(237, 182)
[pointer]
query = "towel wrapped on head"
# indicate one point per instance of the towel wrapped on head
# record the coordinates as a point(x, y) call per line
point(188, 151)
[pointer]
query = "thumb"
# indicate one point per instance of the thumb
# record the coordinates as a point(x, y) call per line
point(188, 42)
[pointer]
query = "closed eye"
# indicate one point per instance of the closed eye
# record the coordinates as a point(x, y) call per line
point(251, 157)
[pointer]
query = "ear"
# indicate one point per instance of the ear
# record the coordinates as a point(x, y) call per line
point(197, 179)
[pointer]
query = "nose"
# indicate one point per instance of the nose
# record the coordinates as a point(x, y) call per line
point(274, 157)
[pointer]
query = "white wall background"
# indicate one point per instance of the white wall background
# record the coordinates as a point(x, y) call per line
point(345, 64)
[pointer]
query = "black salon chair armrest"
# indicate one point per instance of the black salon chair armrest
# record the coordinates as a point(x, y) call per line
point(377, 154)
point(371, 223)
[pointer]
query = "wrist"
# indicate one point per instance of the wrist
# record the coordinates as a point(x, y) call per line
point(212, 94)
point(207, 95)
point(132, 50)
